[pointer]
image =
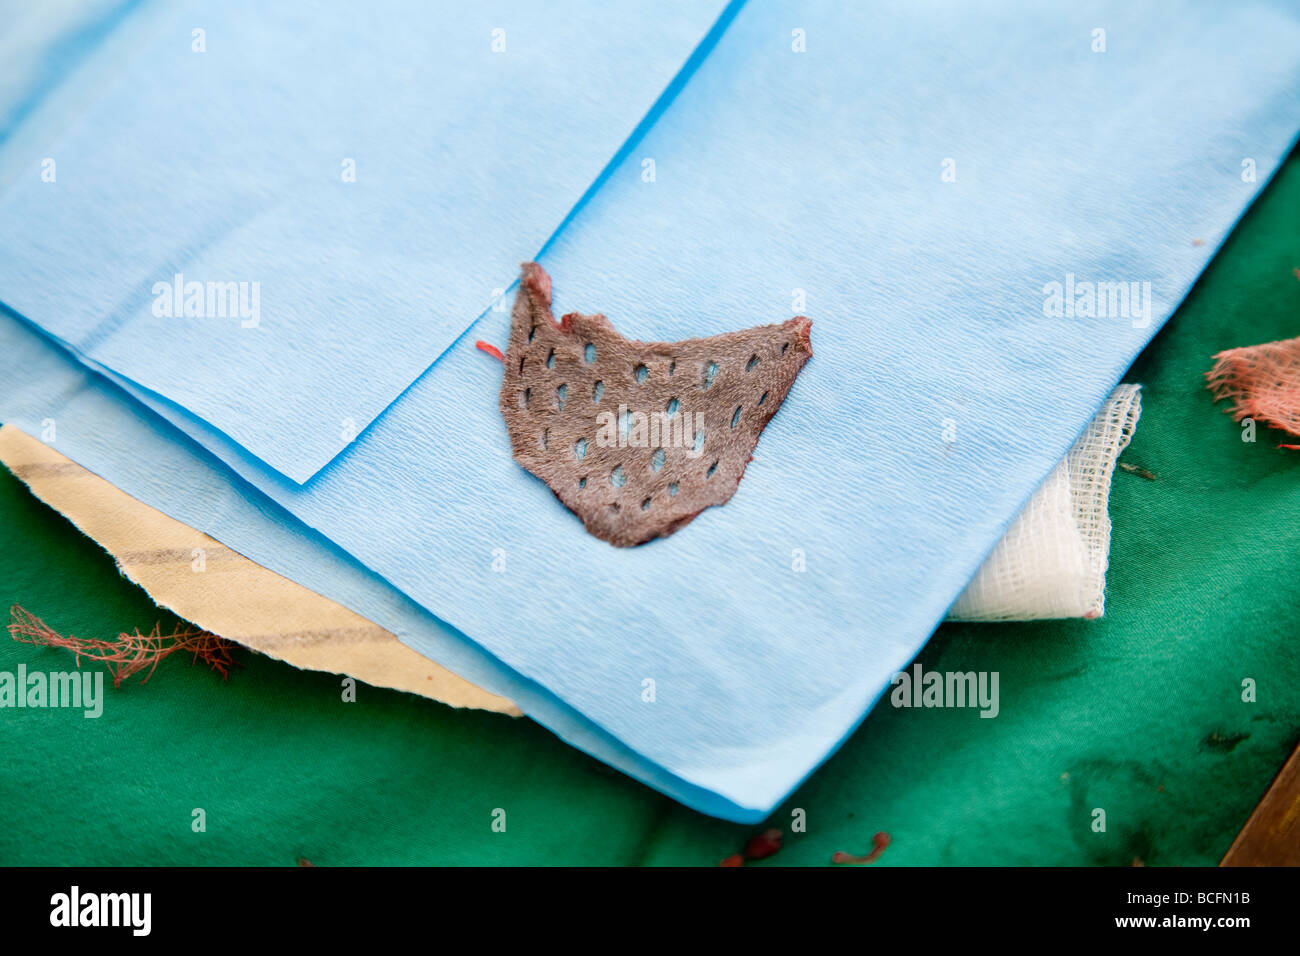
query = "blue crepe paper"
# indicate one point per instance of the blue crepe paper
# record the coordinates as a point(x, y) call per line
point(941, 392)
point(468, 131)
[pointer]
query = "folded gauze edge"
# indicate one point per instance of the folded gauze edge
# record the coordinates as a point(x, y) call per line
point(1050, 564)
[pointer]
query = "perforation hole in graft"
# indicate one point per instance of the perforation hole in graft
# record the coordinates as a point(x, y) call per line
point(617, 478)
point(710, 371)
point(597, 392)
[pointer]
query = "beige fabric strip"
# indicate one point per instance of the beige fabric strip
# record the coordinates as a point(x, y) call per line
point(224, 592)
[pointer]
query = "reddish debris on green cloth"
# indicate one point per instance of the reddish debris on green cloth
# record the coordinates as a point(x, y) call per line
point(880, 842)
point(759, 847)
point(763, 845)
point(129, 653)
point(1262, 382)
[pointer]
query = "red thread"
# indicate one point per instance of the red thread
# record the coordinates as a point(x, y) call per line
point(880, 841)
point(130, 653)
point(491, 350)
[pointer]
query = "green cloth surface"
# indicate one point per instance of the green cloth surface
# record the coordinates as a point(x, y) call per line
point(1139, 714)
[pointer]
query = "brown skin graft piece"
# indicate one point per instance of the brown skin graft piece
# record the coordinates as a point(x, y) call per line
point(637, 438)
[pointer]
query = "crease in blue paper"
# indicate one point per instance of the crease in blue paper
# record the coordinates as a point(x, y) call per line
point(813, 182)
point(277, 218)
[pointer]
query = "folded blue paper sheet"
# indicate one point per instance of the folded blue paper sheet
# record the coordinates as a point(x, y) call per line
point(44, 388)
point(277, 217)
point(986, 212)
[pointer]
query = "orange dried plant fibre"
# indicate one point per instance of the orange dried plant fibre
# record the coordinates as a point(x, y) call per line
point(129, 653)
point(1263, 382)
